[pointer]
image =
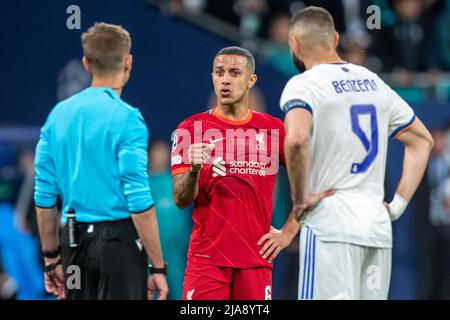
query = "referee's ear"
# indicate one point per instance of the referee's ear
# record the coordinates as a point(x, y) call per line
point(86, 64)
point(128, 62)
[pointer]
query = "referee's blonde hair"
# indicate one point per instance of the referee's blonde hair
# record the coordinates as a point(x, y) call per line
point(105, 47)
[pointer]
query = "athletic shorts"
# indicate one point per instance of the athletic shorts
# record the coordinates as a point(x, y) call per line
point(336, 270)
point(209, 282)
point(109, 262)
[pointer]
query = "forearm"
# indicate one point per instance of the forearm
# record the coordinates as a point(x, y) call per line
point(297, 159)
point(414, 164)
point(48, 225)
point(146, 224)
point(185, 188)
point(291, 227)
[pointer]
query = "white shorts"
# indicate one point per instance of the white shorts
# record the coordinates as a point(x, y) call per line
point(336, 270)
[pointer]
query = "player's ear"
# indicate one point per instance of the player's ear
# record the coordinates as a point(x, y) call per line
point(336, 39)
point(294, 44)
point(252, 81)
point(86, 64)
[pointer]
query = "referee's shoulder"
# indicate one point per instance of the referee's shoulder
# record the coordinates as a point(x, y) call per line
point(127, 109)
point(62, 105)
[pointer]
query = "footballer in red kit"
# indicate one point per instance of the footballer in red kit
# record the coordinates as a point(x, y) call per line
point(225, 162)
point(233, 208)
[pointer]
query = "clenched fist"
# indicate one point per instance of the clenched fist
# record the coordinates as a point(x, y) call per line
point(199, 154)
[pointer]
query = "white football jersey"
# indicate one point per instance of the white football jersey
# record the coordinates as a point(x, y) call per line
point(354, 114)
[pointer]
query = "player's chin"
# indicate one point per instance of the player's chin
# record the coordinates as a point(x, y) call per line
point(227, 101)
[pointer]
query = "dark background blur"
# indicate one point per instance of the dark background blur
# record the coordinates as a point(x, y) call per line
point(173, 44)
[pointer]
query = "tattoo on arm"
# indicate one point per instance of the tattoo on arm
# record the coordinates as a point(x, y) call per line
point(185, 188)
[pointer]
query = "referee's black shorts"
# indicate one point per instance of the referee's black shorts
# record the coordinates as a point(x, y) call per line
point(111, 261)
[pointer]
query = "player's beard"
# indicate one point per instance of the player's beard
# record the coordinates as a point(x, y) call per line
point(298, 63)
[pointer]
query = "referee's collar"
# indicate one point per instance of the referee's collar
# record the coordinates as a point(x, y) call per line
point(109, 90)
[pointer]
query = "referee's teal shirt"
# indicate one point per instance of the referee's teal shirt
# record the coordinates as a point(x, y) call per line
point(92, 152)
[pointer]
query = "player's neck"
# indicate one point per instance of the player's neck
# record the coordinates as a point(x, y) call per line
point(326, 58)
point(113, 82)
point(236, 112)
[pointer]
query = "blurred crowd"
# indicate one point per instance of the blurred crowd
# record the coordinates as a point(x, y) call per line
point(413, 35)
point(432, 221)
point(21, 268)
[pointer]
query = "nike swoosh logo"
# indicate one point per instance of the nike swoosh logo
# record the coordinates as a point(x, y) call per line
point(215, 140)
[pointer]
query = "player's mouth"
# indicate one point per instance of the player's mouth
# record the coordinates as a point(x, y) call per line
point(225, 93)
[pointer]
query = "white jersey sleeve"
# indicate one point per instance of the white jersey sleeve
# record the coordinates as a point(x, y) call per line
point(298, 93)
point(401, 115)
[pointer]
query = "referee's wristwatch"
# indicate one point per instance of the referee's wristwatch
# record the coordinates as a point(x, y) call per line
point(52, 254)
point(162, 270)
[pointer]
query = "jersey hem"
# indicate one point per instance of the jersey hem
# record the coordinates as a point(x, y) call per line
point(213, 262)
point(352, 240)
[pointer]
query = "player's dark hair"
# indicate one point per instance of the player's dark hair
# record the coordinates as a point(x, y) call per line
point(105, 47)
point(238, 51)
point(314, 15)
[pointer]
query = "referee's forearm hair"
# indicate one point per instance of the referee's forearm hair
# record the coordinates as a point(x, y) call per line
point(146, 224)
point(47, 219)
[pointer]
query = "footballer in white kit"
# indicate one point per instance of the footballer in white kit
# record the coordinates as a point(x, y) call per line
point(354, 114)
point(339, 118)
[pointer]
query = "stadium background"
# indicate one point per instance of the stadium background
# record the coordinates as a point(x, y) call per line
point(173, 43)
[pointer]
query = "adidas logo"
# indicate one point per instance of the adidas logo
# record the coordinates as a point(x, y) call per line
point(218, 167)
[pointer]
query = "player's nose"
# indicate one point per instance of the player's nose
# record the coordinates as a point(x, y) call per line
point(226, 79)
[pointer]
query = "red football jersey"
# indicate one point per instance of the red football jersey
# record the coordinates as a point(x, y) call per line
point(233, 208)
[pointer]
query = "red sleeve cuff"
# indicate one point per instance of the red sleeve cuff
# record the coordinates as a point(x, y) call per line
point(180, 170)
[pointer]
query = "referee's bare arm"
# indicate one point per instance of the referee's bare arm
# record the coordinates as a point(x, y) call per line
point(132, 156)
point(45, 195)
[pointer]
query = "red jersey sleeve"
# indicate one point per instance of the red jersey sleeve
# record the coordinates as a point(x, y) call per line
point(182, 138)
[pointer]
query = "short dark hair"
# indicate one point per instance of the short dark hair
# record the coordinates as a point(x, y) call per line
point(314, 15)
point(238, 51)
point(105, 47)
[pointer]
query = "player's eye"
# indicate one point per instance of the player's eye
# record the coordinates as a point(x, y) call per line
point(219, 72)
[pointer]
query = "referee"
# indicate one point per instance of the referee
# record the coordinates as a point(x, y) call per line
point(92, 153)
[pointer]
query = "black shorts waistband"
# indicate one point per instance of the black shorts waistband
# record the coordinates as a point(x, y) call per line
point(104, 230)
point(105, 223)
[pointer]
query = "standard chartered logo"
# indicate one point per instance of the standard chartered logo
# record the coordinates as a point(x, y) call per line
point(248, 167)
point(238, 167)
point(218, 167)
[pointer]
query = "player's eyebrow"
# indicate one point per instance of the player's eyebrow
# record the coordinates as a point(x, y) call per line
point(230, 69)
